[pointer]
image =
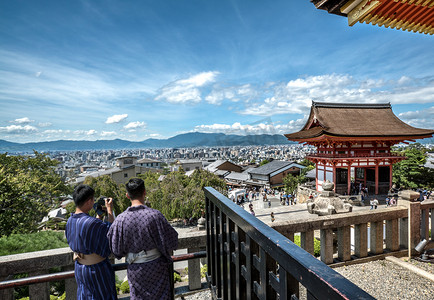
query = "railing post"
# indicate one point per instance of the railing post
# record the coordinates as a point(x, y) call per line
point(424, 224)
point(376, 237)
point(307, 242)
point(39, 291)
point(403, 233)
point(344, 243)
point(361, 240)
point(194, 280)
point(413, 226)
point(7, 294)
point(326, 245)
point(392, 235)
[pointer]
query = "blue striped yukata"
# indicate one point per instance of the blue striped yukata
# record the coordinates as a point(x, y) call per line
point(88, 235)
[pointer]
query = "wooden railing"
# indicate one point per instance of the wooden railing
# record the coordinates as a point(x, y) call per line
point(37, 264)
point(249, 260)
point(355, 155)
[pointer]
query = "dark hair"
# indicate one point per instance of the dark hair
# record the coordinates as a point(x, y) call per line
point(135, 188)
point(82, 193)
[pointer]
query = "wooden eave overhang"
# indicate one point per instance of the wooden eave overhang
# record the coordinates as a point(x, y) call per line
point(355, 122)
point(407, 15)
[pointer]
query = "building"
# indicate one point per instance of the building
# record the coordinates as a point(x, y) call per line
point(355, 139)
point(416, 16)
point(223, 165)
point(187, 165)
point(272, 173)
point(149, 163)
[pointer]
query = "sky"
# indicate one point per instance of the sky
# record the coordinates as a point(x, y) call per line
point(139, 69)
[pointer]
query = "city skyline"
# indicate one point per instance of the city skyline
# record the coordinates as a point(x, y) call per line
point(144, 69)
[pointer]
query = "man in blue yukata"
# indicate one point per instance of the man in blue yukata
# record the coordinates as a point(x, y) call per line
point(87, 237)
point(146, 239)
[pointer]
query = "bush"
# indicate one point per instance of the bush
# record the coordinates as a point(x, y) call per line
point(22, 243)
point(316, 245)
point(176, 277)
point(203, 271)
point(125, 287)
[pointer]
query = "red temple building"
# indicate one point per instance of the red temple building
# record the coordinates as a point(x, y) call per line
point(354, 140)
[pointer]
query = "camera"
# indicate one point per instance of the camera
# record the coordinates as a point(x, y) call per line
point(99, 204)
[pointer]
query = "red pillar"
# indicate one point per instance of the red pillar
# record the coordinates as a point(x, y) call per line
point(334, 177)
point(349, 180)
point(376, 178)
point(390, 176)
point(316, 177)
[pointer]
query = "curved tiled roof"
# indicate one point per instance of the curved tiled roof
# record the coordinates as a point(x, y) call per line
point(410, 15)
point(356, 120)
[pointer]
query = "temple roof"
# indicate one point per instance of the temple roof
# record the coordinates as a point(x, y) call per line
point(410, 15)
point(356, 120)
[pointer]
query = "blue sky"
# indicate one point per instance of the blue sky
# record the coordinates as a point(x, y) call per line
point(89, 70)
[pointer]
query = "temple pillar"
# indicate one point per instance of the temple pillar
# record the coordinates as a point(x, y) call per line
point(334, 177)
point(391, 175)
point(376, 178)
point(349, 180)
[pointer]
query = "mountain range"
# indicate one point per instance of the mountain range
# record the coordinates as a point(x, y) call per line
point(192, 139)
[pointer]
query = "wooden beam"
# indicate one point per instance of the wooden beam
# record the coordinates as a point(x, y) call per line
point(361, 10)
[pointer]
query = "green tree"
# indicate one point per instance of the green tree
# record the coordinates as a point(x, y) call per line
point(291, 182)
point(264, 162)
point(106, 186)
point(29, 188)
point(411, 173)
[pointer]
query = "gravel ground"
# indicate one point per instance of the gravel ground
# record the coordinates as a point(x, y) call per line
point(381, 279)
point(385, 280)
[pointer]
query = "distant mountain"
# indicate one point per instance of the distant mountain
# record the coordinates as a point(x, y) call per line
point(192, 139)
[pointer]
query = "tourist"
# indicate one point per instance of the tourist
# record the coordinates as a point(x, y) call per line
point(375, 202)
point(252, 212)
point(269, 203)
point(387, 201)
point(146, 239)
point(86, 236)
point(272, 216)
point(371, 202)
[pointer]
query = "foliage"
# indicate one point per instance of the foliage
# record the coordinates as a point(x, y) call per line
point(203, 271)
point(264, 162)
point(125, 287)
point(291, 182)
point(411, 173)
point(22, 243)
point(316, 245)
point(176, 277)
point(179, 196)
point(29, 188)
point(106, 186)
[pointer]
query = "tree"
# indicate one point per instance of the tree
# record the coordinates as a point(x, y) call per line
point(411, 173)
point(106, 186)
point(264, 162)
point(291, 182)
point(29, 188)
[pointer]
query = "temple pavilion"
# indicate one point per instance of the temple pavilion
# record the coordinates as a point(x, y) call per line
point(354, 140)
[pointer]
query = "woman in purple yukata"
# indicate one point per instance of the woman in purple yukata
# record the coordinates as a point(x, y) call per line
point(146, 239)
point(87, 237)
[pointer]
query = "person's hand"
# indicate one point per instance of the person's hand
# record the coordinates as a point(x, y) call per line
point(109, 205)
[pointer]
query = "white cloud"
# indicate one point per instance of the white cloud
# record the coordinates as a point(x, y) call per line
point(18, 129)
point(154, 135)
point(53, 131)
point(420, 119)
point(108, 133)
point(186, 90)
point(116, 118)
point(132, 126)
point(85, 132)
point(297, 95)
point(24, 120)
point(256, 128)
point(45, 124)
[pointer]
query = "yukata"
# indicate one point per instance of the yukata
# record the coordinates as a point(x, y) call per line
point(142, 228)
point(88, 235)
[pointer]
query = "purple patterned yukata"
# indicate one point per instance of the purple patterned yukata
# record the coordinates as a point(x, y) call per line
point(142, 228)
